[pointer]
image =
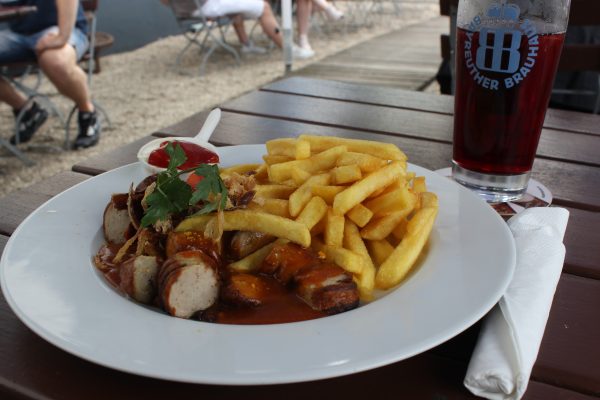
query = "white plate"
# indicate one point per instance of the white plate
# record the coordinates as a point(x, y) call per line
point(51, 284)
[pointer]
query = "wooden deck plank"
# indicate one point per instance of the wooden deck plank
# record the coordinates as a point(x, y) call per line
point(412, 63)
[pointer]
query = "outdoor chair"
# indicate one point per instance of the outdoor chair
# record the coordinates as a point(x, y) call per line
point(16, 73)
point(197, 29)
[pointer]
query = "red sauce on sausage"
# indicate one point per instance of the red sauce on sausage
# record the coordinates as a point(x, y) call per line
point(195, 154)
point(281, 305)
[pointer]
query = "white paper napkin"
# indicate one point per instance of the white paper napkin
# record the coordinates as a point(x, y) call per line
point(510, 337)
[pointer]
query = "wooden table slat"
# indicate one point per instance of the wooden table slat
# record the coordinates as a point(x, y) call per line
point(118, 157)
point(390, 97)
point(542, 391)
point(15, 207)
point(569, 355)
point(582, 241)
point(571, 147)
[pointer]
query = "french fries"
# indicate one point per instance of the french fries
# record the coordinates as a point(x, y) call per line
point(327, 193)
point(399, 263)
point(320, 162)
point(359, 191)
point(353, 242)
point(271, 206)
point(353, 201)
point(360, 215)
point(315, 211)
point(387, 151)
point(301, 196)
point(240, 169)
point(334, 229)
point(346, 174)
point(250, 220)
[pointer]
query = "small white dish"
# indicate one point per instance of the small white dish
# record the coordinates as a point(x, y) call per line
point(201, 139)
point(145, 150)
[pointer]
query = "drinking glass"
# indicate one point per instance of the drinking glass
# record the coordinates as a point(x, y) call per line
point(507, 54)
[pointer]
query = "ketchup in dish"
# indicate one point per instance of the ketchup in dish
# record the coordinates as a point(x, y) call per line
point(195, 154)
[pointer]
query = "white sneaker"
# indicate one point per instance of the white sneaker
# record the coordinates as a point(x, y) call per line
point(251, 48)
point(302, 53)
point(333, 13)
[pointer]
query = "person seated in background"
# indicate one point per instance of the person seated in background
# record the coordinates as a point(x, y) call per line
point(245, 9)
point(238, 11)
point(56, 38)
point(248, 46)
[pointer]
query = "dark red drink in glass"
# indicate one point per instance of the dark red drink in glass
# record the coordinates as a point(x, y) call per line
point(506, 61)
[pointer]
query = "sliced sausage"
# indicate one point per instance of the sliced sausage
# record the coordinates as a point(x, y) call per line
point(284, 262)
point(328, 288)
point(116, 222)
point(191, 240)
point(244, 290)
point(188, 283)
point(138, 278)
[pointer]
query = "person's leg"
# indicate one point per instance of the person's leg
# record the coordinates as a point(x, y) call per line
point(331, 11)
point(269, 25)
point(60, 66)
point(240, 29)
point(11, 96)
point(303, 12)
point(13, 48)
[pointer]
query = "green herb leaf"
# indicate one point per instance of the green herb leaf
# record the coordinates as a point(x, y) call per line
point(176, 155)
point(210, 189)
point(171, 195)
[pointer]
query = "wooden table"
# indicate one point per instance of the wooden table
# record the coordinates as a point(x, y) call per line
point(568, 162)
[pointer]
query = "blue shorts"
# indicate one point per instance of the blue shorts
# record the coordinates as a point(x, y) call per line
point(16, 47)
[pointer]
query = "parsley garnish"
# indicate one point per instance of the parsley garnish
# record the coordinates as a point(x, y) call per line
point(172, 195)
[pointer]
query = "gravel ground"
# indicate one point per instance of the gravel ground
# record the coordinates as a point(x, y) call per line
point(142, 92)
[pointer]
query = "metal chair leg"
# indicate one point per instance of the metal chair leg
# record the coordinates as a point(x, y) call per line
point(217, 42)
point(67, 144)
point(16, 152)
point(192, 40)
